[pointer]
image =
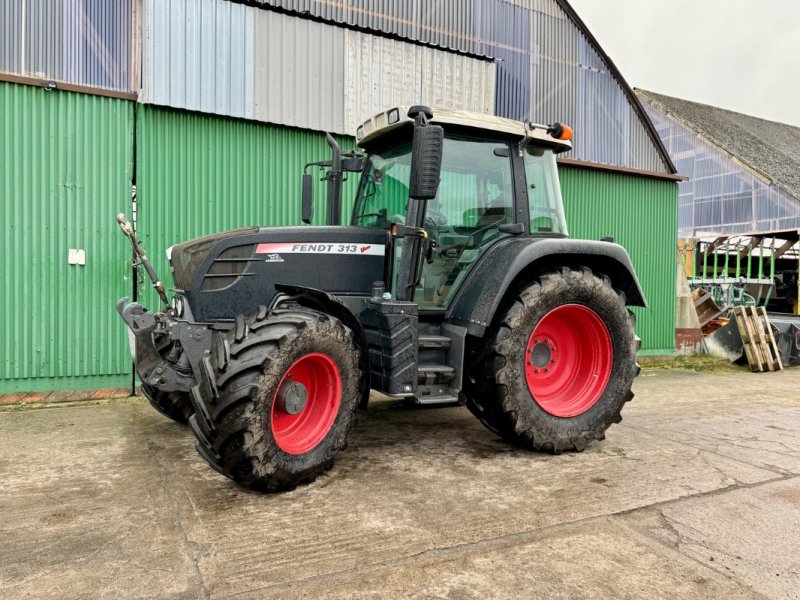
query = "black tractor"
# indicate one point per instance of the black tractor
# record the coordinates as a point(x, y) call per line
point(454, 281)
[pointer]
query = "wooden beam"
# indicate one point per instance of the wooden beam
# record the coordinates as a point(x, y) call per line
point(783, 249)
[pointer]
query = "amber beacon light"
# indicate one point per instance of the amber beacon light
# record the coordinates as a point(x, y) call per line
point(560, 131)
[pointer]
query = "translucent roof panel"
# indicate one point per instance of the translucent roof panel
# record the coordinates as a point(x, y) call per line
point(722, 194)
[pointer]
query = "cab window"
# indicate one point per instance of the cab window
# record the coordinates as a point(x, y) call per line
point(544, 192)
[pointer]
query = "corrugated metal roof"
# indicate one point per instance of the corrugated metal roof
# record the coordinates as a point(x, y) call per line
point(503, 31)
point(768, 147)
point(739, 168)
point(643, 148)
point(441, 23)
point(82, 42)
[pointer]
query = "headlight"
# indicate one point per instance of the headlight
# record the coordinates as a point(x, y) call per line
point(177, 306)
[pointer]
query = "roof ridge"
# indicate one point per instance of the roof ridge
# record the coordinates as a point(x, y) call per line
point(656, 95)
point(771, 166)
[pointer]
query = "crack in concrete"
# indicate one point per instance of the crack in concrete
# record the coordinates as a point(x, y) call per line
point(189, 549)
point(499, 542)
point(770, 468)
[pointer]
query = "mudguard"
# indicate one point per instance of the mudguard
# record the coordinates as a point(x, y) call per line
point(517, 259)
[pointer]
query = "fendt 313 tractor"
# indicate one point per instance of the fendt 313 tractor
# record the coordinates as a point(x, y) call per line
point(455, 280)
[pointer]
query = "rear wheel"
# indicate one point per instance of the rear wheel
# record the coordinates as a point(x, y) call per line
point(558, 364)
point(287, 388)
point(173, 405)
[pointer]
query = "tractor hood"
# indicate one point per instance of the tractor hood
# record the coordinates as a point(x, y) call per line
point(187, 256)
point(236, 272)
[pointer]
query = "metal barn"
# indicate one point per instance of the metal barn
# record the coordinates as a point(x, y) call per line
point(199, 114)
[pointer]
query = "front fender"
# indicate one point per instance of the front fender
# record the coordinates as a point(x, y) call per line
point(514, 260)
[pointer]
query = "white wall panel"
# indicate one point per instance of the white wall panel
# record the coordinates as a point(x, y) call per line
point(381, 72)
point(299, 72)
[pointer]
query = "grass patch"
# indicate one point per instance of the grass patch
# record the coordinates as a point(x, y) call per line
point(699, 363)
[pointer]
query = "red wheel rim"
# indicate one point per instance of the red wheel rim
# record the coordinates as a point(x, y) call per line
point(568, 360)
point(300, 426)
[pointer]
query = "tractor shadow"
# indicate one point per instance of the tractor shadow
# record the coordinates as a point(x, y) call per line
point(400, 426)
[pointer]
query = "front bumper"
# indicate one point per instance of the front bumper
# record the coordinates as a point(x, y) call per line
point(155, 370)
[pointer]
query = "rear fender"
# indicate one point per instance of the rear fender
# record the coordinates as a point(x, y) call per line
point(516, 260)
point(331, 305)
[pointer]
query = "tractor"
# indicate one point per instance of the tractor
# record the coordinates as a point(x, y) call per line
point(455, 281)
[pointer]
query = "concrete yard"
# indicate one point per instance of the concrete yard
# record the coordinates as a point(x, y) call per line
point(695, 495)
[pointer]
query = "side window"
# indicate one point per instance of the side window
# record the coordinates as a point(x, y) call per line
point(544, 192)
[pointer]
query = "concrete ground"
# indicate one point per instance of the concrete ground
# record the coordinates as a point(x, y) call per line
point(695, 495)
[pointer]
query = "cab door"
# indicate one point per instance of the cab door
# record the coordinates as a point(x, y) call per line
point(475, 197)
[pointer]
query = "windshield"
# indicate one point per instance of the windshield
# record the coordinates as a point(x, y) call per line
point(382, 196)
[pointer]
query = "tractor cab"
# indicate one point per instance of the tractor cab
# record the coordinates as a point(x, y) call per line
point(498, 179)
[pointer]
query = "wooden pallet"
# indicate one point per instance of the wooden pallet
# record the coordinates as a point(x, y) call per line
point(759, 343)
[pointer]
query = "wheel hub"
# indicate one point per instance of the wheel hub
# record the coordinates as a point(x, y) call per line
point(542, 354)
point(293, 396)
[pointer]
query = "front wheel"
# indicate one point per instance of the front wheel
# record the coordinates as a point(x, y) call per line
point(173, 405)
point(288, 386)
point(559, 363)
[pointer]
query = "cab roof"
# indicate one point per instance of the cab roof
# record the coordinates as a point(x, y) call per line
point(397, 117)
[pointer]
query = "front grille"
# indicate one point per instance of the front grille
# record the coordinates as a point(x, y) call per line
point(228, 267)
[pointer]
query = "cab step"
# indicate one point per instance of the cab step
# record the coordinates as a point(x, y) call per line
point(439, 342)
point(446, 398)
point(434, 374)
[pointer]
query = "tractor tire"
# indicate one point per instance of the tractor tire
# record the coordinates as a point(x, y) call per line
point(558, 363)
point(286, 389)
point(173, 405)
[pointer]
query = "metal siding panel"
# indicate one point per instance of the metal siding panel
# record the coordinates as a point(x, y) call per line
point(503, 31)
point(445, 23)
point(65, 171)
point(547, 68)
point(641, 214)
point(198, 55)
point(381, 72)
point(11, 14)
point(572, 83)
point(299, 72)
point(198, 174)
point(83, 42)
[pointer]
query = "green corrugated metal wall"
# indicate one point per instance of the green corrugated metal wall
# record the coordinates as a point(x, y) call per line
point(642, 215)
point(199, 174)
point(65, 171)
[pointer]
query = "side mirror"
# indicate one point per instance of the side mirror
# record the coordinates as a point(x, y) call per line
point(308, 198)
point(426, 157)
